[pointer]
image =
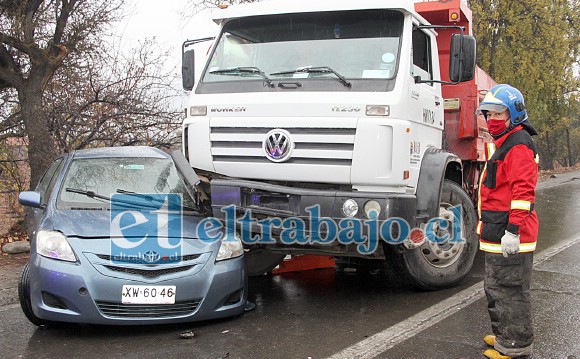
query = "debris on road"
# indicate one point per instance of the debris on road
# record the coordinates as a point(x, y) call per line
point(187, 334)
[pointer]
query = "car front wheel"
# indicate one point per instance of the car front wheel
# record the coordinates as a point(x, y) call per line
point(24, 298)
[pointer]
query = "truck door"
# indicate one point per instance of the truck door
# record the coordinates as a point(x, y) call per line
point(428, 110)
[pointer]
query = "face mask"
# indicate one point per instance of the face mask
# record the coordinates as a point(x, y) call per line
point(496, 127)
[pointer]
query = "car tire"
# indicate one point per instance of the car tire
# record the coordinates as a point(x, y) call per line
point(434, 266)
point(24, 298)
point(260, 261)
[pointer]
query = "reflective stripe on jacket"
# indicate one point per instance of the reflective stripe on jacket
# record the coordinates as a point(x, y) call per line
point(507, 193)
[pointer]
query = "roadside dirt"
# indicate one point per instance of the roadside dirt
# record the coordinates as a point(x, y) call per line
point(545, 174)
point(13, 259)
point(10, 268)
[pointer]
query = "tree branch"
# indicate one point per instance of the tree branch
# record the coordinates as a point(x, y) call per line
point(66, 8)
point(28, 22)
point(31, 50)
point(9, 73)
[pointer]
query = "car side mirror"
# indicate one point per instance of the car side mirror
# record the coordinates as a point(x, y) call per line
point(30, 199)
point(188, 69)
point(461, 58)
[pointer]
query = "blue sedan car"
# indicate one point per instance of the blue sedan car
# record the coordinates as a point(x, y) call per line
point(117, 238)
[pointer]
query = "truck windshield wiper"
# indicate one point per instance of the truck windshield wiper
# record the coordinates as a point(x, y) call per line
point(240, 71)
point(315, 70)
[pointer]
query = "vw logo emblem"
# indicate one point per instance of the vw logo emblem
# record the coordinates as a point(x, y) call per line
point(278, 145)
point(151, 256)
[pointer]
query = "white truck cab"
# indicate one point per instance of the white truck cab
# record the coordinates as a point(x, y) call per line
point(333, 103)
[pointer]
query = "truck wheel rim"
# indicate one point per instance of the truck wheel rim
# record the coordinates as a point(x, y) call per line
point(442, 255)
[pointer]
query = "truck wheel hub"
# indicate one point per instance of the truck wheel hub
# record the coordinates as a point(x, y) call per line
point(445, 253)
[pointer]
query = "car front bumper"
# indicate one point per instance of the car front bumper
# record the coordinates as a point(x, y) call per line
point(89, 292)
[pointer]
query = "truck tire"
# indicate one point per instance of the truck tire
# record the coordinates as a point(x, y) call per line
point(433, 265)
point(24, 298)
point(260, 261)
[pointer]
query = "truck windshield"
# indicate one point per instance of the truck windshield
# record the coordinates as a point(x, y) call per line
point(358, 45)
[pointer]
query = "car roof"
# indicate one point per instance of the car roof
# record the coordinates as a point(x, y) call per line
point(122, 151)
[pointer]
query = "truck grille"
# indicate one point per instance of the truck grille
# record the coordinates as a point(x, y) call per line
point(316, 146)
point(120, 310)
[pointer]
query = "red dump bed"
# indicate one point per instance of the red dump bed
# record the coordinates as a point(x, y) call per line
point(465, 133)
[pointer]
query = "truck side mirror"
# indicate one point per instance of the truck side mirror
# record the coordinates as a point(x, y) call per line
point(188, 69)
point(462, 58)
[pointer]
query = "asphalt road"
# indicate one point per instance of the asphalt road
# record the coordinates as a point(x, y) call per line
point(321, 314)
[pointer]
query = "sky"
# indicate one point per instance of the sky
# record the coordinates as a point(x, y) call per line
point(148, 18)
point(164, 22)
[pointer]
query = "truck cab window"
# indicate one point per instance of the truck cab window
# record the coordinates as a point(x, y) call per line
point(422, 55)
point(359, 45)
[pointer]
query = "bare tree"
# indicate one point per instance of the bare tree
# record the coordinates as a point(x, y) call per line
point(35, 38)
point(115, 99)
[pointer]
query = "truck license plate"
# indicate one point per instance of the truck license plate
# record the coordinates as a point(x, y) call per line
point(148, 294)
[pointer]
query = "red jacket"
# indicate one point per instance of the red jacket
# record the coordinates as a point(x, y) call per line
point(507, 193)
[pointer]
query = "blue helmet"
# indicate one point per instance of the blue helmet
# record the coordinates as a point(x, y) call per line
point(502, 97)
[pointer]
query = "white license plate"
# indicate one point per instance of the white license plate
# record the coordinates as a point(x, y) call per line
point(148, 294)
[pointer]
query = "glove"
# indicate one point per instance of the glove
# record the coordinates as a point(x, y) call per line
point(510, 244)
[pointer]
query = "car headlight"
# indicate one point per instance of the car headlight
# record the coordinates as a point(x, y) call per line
point(54, 245)
point(230, 248)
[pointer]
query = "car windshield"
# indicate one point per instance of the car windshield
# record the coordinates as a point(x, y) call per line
point(89, 182)
point(360, 44)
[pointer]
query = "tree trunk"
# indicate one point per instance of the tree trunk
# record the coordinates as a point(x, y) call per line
point(546, 158)
point(570, 159)
point(41, 148)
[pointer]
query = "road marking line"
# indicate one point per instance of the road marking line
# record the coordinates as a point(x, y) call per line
point(555, 249)
point(398, 333)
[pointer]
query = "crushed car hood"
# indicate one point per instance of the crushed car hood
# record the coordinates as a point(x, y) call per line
point(97, 223)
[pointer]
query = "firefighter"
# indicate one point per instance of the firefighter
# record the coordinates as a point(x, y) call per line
point(508, 224)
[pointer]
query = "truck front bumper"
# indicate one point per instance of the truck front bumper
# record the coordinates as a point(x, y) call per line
point(235, 201)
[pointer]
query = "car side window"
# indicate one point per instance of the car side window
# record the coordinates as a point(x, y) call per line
point(46, 184)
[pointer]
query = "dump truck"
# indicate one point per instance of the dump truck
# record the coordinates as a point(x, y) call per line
point(310, 116)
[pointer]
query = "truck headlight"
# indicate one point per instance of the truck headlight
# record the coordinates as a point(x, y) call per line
point(52, 244)
point(378, 110)
point(372, 209)
point(198, 111)
point(350, 207)
point(230, 248)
